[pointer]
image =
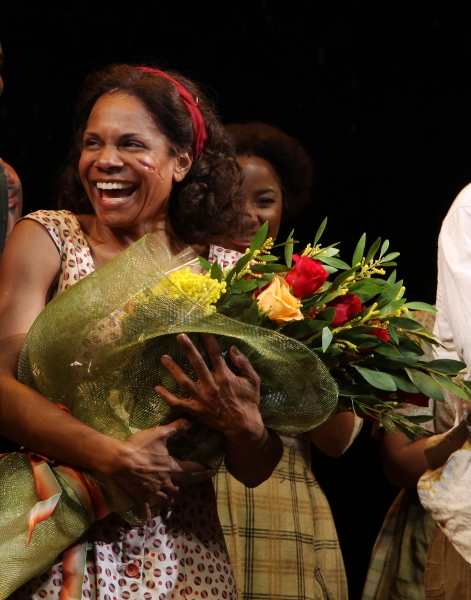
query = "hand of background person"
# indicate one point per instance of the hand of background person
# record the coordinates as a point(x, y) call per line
point(220, 398)
point(146, 469)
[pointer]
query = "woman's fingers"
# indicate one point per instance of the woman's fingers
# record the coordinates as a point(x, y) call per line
point(214, 351)
point(195, 358)
point(177, 427)
point(244, 365)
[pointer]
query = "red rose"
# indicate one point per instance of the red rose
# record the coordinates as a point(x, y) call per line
point(380, 333)
point(306, 277)
point(346, 307)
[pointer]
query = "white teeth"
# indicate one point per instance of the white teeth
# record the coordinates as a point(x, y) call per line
point(103, 185)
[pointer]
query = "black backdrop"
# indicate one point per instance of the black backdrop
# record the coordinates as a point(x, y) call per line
point(378, 93)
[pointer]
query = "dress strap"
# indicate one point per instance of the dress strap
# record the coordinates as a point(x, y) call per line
point(65, 231)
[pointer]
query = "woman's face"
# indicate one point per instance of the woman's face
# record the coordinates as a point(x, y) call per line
point(126, 167)
point(264, 195)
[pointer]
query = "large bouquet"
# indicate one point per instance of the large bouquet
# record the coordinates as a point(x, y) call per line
point(95, 350)
point(352, 316)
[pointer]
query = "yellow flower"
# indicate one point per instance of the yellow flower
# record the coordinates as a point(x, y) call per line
point(278, 303)
point(200, 288)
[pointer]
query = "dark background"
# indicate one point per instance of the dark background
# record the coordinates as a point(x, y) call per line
point(378, 93)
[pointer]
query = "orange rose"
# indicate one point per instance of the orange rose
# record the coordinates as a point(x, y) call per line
point(278, 303)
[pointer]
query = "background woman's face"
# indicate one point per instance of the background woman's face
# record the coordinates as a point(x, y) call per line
point(125, 165)
point(264, 196)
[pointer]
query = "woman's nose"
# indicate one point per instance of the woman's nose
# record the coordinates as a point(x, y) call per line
point(108, 158)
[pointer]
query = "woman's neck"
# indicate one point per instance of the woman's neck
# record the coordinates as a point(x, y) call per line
point(105, 243)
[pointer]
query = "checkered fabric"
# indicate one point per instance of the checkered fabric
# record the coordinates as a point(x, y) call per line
point(281, 536)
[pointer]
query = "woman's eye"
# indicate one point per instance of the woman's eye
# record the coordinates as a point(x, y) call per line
point(265, 201)
point(132, 144)
point(89, 143)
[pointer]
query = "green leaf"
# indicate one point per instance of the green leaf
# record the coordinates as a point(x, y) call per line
point(446, 365)
point(404, 384)
point(404, 323)
point(390, 257)
point(341, 278)
point(393, 333)
point(242, 263)
point(329, 269)
point(384, 248)
point(320, 231)
point(372, 251)
point(326, 338)
point(204, 264)
point(365, 290)
point(269, 268)
point(426, 384)
point(264, 279)
point(421, 306)
point(390, 308)
point(358, 254)
point(377, 379)
point(289, 249)
point(244, 285)
point(366, 399)
point(331, 251)
point(389, 294)
point(326, 315)
point(450, 385)
point(392, 278)
point(301, 329)
point(216, 272)
point(387, 350)
point(259, 237)
point(419, 418)
point(251, 315)
point(270, 258)
point(427, 337)
point(334, 262)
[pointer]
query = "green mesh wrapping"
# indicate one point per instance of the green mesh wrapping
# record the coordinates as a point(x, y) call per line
point(96, 348)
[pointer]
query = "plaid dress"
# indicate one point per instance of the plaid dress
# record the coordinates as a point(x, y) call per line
point(280, 535)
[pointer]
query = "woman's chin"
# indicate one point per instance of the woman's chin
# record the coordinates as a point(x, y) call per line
point(239, 245)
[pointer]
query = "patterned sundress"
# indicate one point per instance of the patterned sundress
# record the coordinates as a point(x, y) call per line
point(180, 553)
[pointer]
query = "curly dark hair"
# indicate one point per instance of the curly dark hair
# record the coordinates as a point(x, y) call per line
point(285, 154)
point(208, 202)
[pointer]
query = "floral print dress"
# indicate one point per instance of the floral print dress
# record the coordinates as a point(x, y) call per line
point(180, 553)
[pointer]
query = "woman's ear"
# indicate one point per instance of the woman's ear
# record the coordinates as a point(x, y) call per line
point(183, 164)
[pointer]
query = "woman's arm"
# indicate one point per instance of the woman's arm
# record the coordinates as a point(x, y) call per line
point(335, 435)
point(229, 403)
point(404, 461)
point(28, 273)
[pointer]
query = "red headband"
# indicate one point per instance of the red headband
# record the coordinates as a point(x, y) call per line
point(199, 130)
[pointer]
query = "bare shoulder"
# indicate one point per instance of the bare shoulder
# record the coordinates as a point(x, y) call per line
point(29, 269)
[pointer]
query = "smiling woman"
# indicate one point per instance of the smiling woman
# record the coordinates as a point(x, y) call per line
point(150, 156)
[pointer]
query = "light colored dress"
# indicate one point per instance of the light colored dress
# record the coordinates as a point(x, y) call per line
point(180, 553)
point(281, 536)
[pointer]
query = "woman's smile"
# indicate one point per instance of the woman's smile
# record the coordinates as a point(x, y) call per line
point(126, 165)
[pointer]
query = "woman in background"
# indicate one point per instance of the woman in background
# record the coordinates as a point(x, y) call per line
point(281, 536)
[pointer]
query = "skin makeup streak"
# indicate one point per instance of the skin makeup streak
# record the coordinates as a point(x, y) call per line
point(151, 169)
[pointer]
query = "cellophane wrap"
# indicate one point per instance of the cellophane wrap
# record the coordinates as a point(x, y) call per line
point(96, 349)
